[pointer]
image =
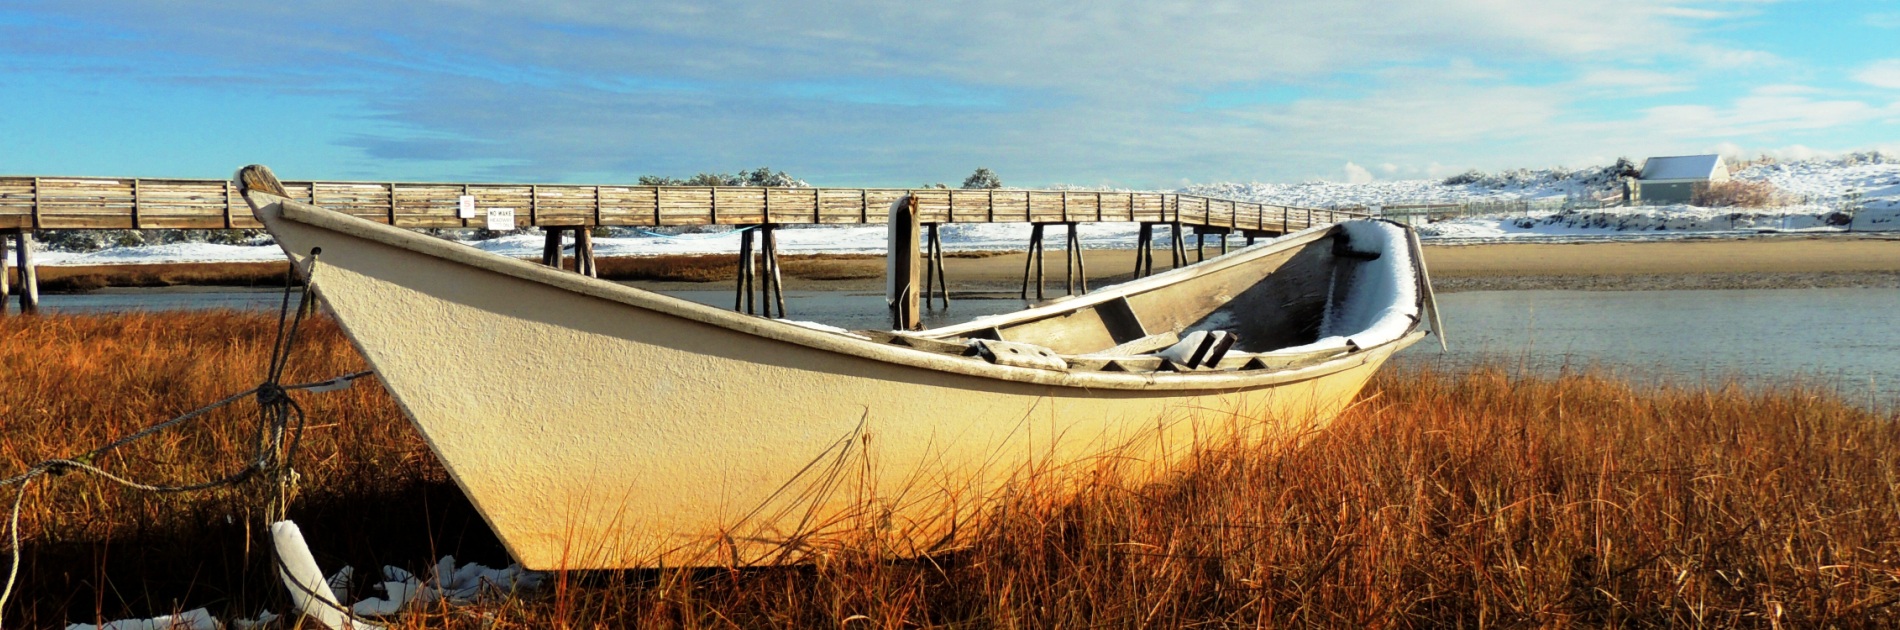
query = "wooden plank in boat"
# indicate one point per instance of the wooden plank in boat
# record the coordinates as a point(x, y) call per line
point(1144, 345)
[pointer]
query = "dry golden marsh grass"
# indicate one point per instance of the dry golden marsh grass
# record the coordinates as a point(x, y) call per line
point(1441, 499)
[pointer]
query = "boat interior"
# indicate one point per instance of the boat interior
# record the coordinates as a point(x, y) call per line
point(1260, 308)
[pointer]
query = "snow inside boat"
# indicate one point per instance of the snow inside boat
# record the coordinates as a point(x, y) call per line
point(596, 425)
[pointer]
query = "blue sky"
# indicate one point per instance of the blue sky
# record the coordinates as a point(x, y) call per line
point(1135, 93)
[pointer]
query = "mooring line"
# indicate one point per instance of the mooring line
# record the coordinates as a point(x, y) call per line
point(278, 435)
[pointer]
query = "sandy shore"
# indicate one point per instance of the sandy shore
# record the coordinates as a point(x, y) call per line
point(1756, 263)
point(1752, 263)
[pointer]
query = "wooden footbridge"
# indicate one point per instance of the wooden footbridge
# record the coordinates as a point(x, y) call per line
point(30, 203)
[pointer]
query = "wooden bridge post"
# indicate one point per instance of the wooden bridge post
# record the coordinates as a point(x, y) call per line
point(584, 252)
point(774, 290)
point(930, 264)
point(1073, 265)
point(29, 275)
point(1035, 260)
point(1179, 247)
point(551, 248)
point(935, 281)
point(4, 265)
point(742, 300)
point(901, 264)
point(1145, 250)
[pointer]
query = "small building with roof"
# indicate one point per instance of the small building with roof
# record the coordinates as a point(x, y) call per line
point(1675, 179)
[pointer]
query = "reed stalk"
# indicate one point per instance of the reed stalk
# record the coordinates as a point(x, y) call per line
point(1476, 498)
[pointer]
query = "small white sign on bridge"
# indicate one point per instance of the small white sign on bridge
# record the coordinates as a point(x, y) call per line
point(501, 219)
point(465, 207)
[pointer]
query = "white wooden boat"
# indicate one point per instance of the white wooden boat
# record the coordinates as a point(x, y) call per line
point(596, 425)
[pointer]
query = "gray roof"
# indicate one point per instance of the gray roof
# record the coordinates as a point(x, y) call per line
point(1681, 167)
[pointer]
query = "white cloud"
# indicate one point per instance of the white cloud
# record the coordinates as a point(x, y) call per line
point(1884, 73)
point(1126, 47)
point(1356, 174)
point(1883, 20)
point(1762, 113)
point(1633, 80)
point(870, 92)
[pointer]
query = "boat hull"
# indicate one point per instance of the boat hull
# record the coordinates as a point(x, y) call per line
point(595, 430)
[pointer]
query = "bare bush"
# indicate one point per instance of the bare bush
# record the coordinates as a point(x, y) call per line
point(1737, 194)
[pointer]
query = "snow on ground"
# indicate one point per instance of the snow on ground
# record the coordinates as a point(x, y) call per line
point(167, 253)
point(1640, 223)
point(1827, 181)
point(452, 583)
point(1822, 186)
point(1320, 194)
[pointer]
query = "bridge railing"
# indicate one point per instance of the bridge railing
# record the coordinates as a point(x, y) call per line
point(38, 202)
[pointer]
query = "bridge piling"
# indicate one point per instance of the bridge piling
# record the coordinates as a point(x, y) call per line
point(5, 270)
point(742, 300)
point(1074, 265)
point(1179, 247)
point(29, 289)
point(584, 263)
point(935, 281)
point(1145, 250)
point(551, 249)
point(774, 291)
point(1034, 259)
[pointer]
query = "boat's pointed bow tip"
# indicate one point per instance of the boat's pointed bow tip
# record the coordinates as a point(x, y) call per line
point(259, 177)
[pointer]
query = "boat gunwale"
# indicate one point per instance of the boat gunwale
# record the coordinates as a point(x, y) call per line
point(263, 202)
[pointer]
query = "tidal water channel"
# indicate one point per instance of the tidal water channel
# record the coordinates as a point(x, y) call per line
point(1848, 339)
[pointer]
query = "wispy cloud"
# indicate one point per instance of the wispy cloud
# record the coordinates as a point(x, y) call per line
point(1762, 113)
point(855, 91)
point(1637, 81)
point(1884, 73)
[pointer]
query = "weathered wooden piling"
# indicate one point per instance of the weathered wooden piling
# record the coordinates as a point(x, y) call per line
point(1145, 250)
point(742, 300)
point(584, 262)
point(4, 272)
point(29, 288)
point(1035, 260)
point(935, 283)
point(759, 278)
point(1075, 267)
point(901, 263)
point(774, 291)
point(1179, 247)
point(551, 247)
